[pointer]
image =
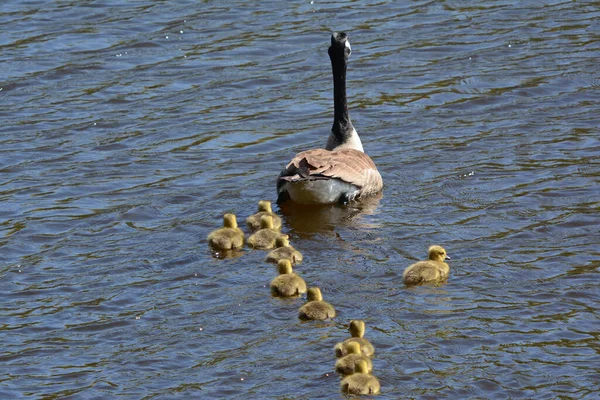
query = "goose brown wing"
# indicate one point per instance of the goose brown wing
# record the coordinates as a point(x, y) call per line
point(349, 165)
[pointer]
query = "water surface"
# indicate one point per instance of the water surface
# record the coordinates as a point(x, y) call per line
point(129, 128)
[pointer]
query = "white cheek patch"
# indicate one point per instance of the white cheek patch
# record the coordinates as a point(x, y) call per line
point(348, 45)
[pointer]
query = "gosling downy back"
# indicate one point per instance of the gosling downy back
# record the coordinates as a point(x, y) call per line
point(357, 329)
point(287, 284)
point(265, 237)
point(361, 381)
point(264, 208)
point(432, 270)
point(315, 307)
point(345, 365)
point(283, 250)
point(229, 236)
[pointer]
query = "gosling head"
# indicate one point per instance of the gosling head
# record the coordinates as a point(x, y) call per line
point(284, 266)
point(357, 328)
point(264, 205)
point(266, 222)
point(314, 294)
point(282, 241)
point(229, 221)
point(339, 350)
point(360, 367)
point(353, 348)
point(437, 253)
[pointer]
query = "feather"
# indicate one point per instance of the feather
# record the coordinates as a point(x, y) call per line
point(349, 165)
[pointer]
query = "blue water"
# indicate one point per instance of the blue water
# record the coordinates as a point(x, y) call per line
point(128, 129)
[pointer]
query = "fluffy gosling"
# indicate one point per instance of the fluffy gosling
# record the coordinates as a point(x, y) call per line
point(264, 208)
point(265, 237)
point(283, 250)
point(357, 331)
point(346, 364)
point(315, 308)
point(287, 284)
point(229, 237)
point(432, 270)
point(360, 382)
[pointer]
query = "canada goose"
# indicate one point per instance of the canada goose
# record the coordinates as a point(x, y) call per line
point(432, 270)
point(345, 365)
point(342, 171)
point(264, 208)
point(357, 331)
point(315, 307)
point(287, 284)
point(265, 237)
point(229, 237)
point(283, 250)
point(360, 382)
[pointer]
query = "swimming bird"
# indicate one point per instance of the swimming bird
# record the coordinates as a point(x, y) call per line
point(360, 382)
point(229, 237)
point(264, 208)
point(357, 331)
point(265, 237)
point(432, 270)
point(341, 172)
point(287, 283)
point(315, 308)
point(345, 365)
point(283, 250)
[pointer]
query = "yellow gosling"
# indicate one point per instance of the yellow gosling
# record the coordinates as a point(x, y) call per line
point(264, 208)
point(432, 270)
point(229, 237)
point(283, 250)
point(360, 382)
point(357, 331)
point(315, 308)
point(339, 350)
point(287, 284)
point(345, 365)
point(265, 237)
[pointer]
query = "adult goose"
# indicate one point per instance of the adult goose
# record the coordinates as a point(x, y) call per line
point(341, 172)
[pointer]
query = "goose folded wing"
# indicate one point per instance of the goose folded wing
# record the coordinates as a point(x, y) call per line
point(349, 165)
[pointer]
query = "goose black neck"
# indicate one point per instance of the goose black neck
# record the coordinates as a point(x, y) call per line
point(342, 126)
